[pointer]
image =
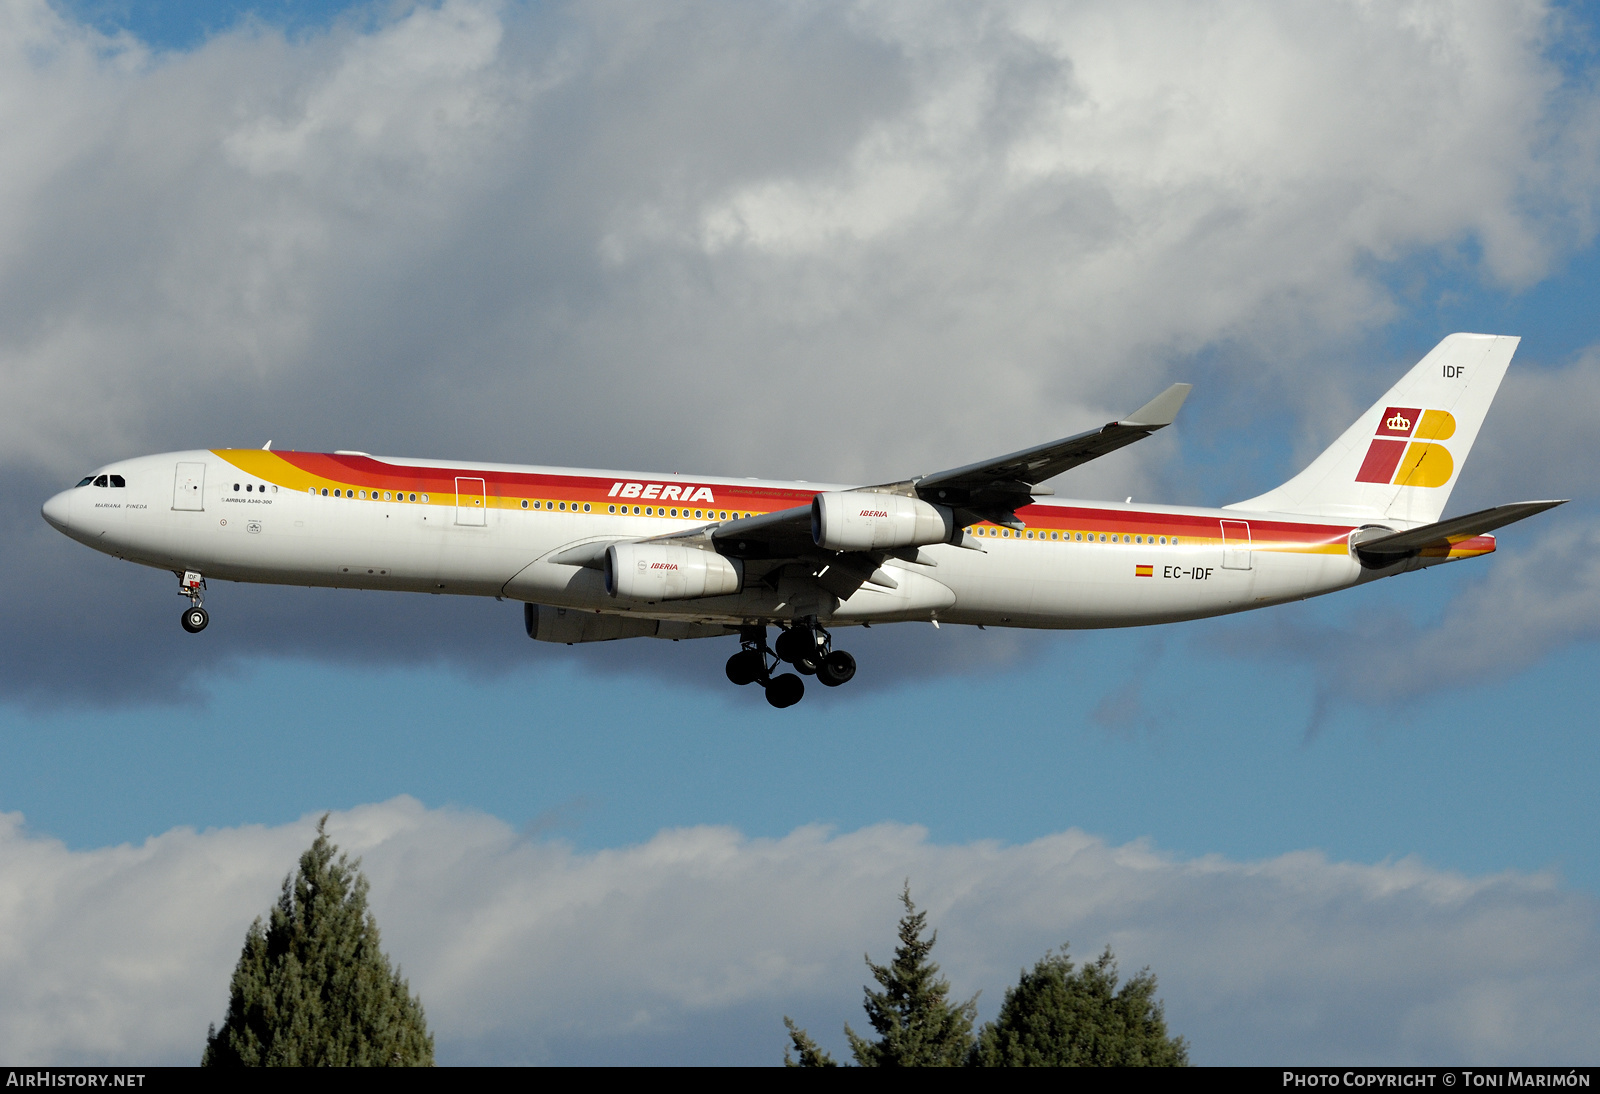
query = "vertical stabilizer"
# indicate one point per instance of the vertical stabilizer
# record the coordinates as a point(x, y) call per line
point(1402, 457)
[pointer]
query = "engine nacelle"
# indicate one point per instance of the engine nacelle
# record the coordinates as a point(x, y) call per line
point(853, 520)
point(656, 571)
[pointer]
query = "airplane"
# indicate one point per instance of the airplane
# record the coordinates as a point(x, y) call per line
point(600, 555)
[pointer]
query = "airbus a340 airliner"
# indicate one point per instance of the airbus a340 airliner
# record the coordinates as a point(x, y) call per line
point(597, 555)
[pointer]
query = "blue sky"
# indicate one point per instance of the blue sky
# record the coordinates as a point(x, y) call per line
point(1469, 781)
point(186, 24)
point(561, 234)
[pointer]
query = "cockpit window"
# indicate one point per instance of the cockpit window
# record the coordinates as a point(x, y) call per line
point(87, 479)
point(100, 480)
point(118, 480)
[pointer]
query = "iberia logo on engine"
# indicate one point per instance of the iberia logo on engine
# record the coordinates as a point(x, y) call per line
point(1394, 460)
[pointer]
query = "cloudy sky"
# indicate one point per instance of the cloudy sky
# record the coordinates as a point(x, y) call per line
point(822, 241)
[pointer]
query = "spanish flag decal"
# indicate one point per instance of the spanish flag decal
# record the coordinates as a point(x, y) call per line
point(1144, 571)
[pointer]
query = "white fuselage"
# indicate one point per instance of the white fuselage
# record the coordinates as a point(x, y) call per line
point(495, 530)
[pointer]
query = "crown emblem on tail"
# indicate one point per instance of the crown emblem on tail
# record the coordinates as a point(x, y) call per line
point(1398, 421)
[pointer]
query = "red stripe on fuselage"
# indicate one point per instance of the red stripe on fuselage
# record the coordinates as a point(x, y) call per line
point(370, 473)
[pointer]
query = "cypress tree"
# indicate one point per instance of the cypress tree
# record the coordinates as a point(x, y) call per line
point(916, 1023)
point(1056, 1017)
point(312, 987)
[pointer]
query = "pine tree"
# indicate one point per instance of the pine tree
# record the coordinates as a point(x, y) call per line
point(312, 987)
point(917, 1025)
point(810, 1054)
point(1056, 1017)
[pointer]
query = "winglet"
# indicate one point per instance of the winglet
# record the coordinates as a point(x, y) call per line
point(1161, 410)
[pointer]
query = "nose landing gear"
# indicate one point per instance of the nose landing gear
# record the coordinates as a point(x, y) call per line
point(195, 617)
point(808, 648)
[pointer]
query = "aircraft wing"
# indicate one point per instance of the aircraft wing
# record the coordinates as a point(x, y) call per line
point(991, 490)
point(782, 534)
point(785, 533)
point(1443, 533)
point(1002, 484)
point(590, 553)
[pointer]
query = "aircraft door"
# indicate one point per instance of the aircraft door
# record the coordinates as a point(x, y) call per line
point(1235, 545)
point(472, 503)
point(189, 487)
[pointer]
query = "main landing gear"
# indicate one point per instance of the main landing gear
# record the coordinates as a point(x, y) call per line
point(808, 648)
point(195, 616)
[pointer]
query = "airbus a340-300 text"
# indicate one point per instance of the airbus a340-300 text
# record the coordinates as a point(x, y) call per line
point(597, 555)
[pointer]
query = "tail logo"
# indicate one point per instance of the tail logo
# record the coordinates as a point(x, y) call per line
point(1398, 420)
point(1393, 461)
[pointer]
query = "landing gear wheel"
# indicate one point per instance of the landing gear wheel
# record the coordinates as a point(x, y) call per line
point(746, 667)
point(786, 690)
point(836, 668)
point(795, 645)
point(807, 666)
point(195, 619)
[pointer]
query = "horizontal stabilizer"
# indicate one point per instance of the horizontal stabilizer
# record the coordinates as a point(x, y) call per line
point(1457, 528)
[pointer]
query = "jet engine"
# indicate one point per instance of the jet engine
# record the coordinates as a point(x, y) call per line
point(852, 520)
point(657, 571)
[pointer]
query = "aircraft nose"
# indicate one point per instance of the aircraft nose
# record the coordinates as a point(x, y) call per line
point(58, 510)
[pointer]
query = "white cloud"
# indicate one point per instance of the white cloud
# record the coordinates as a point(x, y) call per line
point(785, 222)
point(693, 945)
